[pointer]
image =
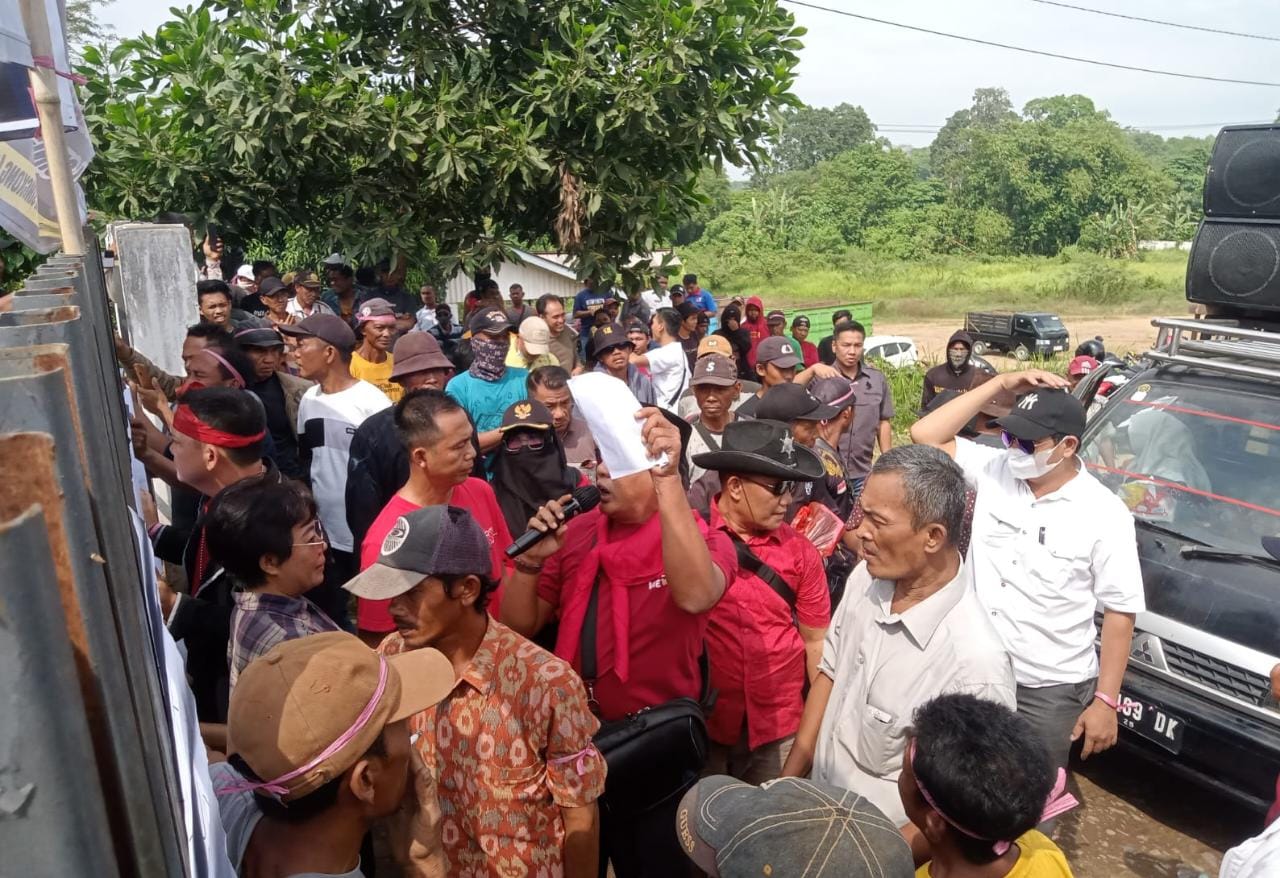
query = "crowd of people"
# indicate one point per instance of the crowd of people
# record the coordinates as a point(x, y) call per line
point(783, 615)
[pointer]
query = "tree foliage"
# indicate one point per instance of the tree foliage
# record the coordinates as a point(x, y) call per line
point(417, 125)
point(809, 135)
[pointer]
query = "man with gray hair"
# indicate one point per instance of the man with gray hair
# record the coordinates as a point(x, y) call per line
point(908, 630)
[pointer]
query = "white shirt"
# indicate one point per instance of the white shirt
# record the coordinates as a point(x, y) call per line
point(295, 308)
point(669, 368)
point(1042, 566)
point(883, 665)
point(656, 299)
point(426, 319)
point(326, 423)
point(1257, 857)
point(698, 445)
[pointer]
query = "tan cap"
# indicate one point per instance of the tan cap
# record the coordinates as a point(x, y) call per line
point(536, 335)
point(325, 692)
point(715, 344)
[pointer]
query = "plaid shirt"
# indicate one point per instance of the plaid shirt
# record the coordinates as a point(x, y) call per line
point(259, 621)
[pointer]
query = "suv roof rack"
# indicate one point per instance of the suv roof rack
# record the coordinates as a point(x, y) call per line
point(1217, 346)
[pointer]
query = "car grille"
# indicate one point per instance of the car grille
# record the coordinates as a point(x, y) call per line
point(1208, 671)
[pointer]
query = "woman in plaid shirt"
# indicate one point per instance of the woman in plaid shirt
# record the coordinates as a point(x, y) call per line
point(265, 533)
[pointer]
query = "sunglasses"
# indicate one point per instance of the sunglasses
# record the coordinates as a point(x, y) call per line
point(780, 489)
point(1010, 440)
point(518, 441)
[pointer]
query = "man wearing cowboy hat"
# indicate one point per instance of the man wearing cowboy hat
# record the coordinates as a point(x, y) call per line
point(765, 635)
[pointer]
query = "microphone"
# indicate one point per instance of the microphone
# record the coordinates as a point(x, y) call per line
point(584, 499)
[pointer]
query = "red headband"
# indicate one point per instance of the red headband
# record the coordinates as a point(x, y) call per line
point(187, 423)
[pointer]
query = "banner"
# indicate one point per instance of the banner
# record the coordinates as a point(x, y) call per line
point(26, 192)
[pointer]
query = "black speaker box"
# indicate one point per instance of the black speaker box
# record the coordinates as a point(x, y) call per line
point(1235, 263)
point(1244, 173)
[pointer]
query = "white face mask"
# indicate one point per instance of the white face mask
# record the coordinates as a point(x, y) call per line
point(1029, 466)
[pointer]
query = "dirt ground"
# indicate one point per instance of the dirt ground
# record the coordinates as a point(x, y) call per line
point(1120, 334)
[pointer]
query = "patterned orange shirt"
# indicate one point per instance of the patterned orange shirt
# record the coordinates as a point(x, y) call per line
point(509, 747)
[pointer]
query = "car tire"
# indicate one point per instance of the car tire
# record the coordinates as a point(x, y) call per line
point(1021, 354)
point(979, 348)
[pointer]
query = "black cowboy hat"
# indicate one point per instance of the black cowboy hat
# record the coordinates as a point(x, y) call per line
point(765, 448)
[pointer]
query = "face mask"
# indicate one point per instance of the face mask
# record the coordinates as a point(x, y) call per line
point(489, 358)
point(957, 358)
point(1029, 466)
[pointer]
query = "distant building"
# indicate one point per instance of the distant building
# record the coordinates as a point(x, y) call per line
point(541, 273)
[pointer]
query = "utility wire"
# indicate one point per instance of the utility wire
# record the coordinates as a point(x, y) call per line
point(905, 127)
point(938, 33)
point(1208, 30)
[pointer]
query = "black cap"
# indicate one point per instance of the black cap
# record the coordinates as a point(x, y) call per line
point(326, 327)
point(792, 402)
point(790, 826)
point(526, 414)
point(762, 447)
point(610, 335)
point(270, 286)
point(493, 321)
point(1043, 412)
point(837, 391)
point(258, 333)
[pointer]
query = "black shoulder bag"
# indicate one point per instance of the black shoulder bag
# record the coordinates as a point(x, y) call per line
point(749, 562)
point(655, 752)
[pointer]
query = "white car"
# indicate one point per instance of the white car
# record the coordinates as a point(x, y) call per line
point(896, 350)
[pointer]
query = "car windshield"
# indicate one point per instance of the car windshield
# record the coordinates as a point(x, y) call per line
point(1048, 323)
point(1200, 461)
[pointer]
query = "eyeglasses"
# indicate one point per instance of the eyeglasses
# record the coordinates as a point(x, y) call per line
point(317, 535)
point(517, 441)
point(1010, 440)
point(780, 489)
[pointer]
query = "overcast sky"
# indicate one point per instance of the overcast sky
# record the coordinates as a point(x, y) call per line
point(905, 78)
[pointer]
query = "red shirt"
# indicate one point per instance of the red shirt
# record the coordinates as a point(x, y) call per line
point(757, 654)
point(473, 495)
point(810, 353)
point(662, 642)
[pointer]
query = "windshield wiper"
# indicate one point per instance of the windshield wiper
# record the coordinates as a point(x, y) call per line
point(1212, 554)
point(1165, 529)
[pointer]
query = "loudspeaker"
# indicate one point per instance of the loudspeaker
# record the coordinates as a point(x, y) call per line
point(1244, 173)
point(1236, 263)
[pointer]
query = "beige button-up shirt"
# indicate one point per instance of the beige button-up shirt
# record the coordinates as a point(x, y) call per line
point(884, 665)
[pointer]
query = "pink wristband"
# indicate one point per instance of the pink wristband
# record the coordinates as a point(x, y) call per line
point(1107, 700)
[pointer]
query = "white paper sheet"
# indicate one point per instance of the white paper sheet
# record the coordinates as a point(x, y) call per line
point(609, 407)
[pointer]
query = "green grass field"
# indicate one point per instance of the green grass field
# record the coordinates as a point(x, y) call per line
point(944, 286)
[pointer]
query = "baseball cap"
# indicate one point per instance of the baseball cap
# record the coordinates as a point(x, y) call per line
point(715, 344)
point(791, 402)
point(430, 541)
point(789, 826)
point(326, 327)
point(635, 325)
point(258, 333)
point(687, 310)
point(308, 709)
point(800, 320)
point(837, 392)
point(779, 351)
point(307, 279)
point(375, 311)
point(272, 286)
point(610, 335)
point(715, 370)
point(491, 320)
point(1044, 412)
point(527, 414)
point(244, 272)
point(1082, 365)
point(775, 317)
point(536, 335)
point(336, 259)
point(417, 352)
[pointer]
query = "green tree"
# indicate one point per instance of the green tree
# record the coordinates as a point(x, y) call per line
point(412, 124)
point(84, 27)
point(1062, 110)
point(809, 135)
point(991, 109)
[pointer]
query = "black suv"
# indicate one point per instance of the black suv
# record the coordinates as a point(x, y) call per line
point(1191, 442)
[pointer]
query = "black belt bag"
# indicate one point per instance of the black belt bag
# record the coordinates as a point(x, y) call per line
point(653, 753)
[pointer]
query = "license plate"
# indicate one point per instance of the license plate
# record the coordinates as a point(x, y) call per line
point(1151, 722)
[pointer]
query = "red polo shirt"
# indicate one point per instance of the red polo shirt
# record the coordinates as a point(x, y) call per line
point(757, 654)
point(662, 643)
point(473, 495)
